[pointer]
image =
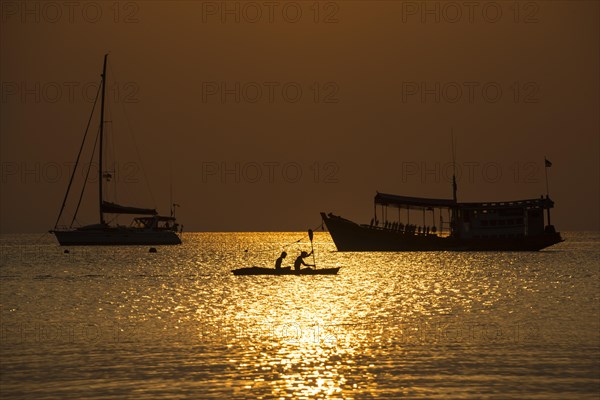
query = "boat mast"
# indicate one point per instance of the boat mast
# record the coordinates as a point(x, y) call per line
point(453, 224)
point(547, 164)
point(101, 139)
point(453, 167)
point(171, 204)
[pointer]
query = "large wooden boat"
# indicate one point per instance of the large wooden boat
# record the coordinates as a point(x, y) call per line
point(517, 225)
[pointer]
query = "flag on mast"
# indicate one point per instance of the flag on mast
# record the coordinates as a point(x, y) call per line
point(547, 163)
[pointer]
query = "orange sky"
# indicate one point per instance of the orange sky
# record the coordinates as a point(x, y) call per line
point(269, 112)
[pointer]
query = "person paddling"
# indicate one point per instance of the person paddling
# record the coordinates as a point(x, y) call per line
point(300, 261)
point(280, 260)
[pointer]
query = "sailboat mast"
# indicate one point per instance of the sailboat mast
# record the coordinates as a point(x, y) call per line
point(100, 174)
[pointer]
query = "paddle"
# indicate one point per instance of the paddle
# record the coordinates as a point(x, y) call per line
point(310, 236)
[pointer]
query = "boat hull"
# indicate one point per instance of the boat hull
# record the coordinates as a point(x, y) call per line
point(116, 237)
point(350, 236)
point(284, 271)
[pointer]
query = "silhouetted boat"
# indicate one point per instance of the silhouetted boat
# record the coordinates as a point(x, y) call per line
point(284, 271)
point(148, 229)
point(495, 226)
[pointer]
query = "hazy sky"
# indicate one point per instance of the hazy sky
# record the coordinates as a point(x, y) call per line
point(269, 112)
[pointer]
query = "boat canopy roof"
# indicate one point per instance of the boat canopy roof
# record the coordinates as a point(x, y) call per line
point(542, 202)
point(393, 200)
point(417, 202)
point(112, 208)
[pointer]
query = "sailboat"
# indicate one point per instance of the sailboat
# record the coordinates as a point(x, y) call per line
point(147, 228)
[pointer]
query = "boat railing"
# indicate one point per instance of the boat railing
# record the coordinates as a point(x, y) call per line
point(412, 230)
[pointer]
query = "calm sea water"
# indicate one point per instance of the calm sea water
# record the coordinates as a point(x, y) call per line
point(124, 323)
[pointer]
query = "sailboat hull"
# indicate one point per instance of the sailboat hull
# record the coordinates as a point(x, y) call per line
point(116, 237)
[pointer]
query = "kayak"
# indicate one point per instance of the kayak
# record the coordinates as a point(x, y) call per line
point(284, 271)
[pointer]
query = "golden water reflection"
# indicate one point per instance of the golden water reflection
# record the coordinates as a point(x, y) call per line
point(329, 337)
point(420, 325)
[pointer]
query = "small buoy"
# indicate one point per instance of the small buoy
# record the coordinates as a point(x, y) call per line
point(152, 250)
point(66, 251)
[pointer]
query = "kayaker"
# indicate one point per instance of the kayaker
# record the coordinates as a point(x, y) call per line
point(300, 261)
point(280, 260)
